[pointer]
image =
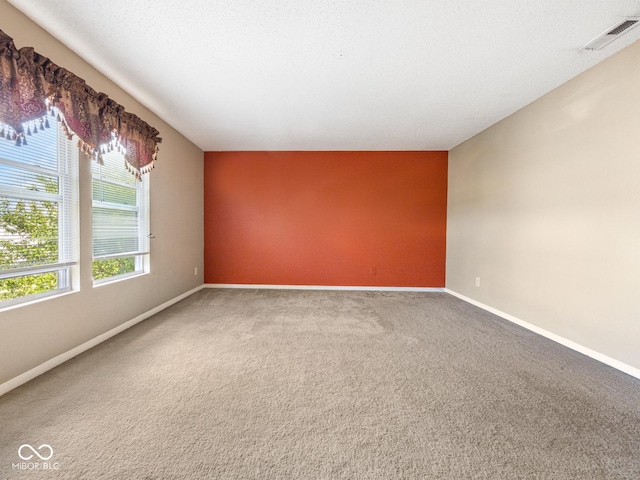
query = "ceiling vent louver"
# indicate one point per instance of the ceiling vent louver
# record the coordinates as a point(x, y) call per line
point(612, 33)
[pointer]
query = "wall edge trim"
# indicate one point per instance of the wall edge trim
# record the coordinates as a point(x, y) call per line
point(63, 357)
point(323, 287)
point(602, 358)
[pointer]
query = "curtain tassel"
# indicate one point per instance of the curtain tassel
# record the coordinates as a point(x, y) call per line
point(67, 130)
point(18, 142)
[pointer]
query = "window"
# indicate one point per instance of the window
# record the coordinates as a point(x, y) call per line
point(120, 220)
point(38, 213)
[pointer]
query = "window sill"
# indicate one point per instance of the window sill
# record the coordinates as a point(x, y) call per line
point(118, 278)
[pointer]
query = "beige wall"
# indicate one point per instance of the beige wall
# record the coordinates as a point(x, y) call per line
point(544, 207)
point(33, 334)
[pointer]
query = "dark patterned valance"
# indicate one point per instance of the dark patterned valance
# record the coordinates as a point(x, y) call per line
point(31, 85)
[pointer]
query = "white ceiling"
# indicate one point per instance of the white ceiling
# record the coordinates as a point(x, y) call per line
point(334, 74)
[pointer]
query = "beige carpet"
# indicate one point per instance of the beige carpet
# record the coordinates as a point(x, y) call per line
point(264, 384)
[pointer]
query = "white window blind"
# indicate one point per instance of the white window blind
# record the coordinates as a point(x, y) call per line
point(120, 219)
point(38, 212)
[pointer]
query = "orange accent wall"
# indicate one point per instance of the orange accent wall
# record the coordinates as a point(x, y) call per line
point(325, 218)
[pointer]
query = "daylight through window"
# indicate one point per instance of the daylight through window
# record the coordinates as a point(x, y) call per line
point(38, 213)
point(120, 219)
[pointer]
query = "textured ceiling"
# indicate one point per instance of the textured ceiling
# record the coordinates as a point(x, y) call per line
point(334, 75)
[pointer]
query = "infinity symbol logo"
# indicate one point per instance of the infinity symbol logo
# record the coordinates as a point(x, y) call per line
point(28, 447)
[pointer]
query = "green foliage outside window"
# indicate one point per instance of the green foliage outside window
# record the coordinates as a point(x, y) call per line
point(33, 226)
point(113, 266)
point(18, 287)
point(33, 229)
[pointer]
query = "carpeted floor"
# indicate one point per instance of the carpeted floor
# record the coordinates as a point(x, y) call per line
point(275, 384)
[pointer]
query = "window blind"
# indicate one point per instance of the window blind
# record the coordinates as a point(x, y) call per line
point(38, 195)
point(120, 223)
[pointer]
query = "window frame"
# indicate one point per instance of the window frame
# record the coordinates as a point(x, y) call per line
point(142, 208)
point(67, 174)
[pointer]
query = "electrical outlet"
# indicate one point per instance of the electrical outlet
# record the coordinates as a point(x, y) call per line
point(477, 281)
point(195, 270)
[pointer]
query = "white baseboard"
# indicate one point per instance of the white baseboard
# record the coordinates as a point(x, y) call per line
point(612, 362)
point(323, 287)
point(74, 352)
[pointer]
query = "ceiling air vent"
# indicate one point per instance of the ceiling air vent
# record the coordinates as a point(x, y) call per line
point(608, 36)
